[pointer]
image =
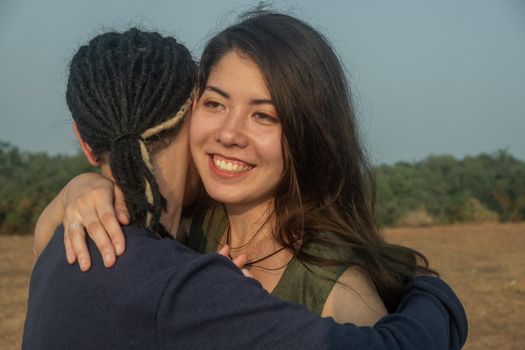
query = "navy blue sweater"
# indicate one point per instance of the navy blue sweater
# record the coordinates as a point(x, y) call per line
point(161, 295)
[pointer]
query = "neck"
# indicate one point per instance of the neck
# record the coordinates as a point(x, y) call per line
point(246, 222)
point(106, 171)
point(266, 257)
point(170, 218)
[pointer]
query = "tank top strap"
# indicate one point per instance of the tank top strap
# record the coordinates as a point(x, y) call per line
point(207, 228)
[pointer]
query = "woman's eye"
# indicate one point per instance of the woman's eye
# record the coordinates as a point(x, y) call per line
point(213, 105)
point(266, 118)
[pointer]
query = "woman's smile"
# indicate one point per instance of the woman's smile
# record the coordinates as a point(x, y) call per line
point(228, 167)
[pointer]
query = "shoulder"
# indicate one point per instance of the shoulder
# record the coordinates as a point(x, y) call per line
point(150, 250)
point(354, 299)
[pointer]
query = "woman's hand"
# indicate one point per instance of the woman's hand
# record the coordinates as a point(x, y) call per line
point(239, 261)
point(98, 205)
point(89, 201)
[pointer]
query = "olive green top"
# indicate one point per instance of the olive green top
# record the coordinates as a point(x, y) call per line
point(301, 282)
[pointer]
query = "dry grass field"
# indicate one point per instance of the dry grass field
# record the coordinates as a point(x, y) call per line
point(483, 263)
point(485, 266)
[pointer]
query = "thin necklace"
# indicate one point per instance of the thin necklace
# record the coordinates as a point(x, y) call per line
point(245, 244)
point(252, 238)
point(251, 263)
point(269, 268)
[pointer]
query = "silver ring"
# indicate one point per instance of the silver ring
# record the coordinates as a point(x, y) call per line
point(75, 226)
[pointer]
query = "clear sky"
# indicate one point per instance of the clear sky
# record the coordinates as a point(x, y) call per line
point(438, 77)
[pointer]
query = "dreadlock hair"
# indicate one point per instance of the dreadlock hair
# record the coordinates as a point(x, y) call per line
point(124, 90)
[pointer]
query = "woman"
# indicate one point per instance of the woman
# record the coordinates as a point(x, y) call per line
point(274, 138)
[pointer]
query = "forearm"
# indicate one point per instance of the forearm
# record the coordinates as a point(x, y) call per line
point(47, 222)
point(429, 317)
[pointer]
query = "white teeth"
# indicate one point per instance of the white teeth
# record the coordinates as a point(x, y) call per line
point(230, 166)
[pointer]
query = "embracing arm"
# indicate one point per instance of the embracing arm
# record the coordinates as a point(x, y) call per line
point(239, 313)
point(47, 222)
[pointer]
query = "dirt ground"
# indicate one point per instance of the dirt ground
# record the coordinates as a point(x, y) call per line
point(485, 266)
point(483, 263)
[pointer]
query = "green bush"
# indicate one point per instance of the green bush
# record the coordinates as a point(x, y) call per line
point(29, 181)
point(487, 187)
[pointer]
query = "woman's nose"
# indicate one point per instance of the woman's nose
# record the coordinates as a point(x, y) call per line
point(232, 131)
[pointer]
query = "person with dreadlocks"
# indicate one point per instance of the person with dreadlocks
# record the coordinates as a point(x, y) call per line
point(129, 94)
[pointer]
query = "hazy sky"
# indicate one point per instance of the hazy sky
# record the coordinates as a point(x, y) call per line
point(443, 76)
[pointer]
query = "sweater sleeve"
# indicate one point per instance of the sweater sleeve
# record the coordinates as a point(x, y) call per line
point(209, 303)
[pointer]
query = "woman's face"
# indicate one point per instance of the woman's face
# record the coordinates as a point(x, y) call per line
point(235, 134)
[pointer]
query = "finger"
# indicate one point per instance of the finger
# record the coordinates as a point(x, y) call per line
point(70, 254)
point(120, 206)
point(114, 230)
point(240, 261)
point(246, 273)
point(102, 240)
point(78, 242)
point(108, 219)
point(224, 251)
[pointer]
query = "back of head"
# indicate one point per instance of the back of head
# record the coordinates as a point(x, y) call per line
point(125, 89)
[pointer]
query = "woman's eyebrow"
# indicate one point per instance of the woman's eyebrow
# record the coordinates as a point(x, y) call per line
point(261, 102)
point(257, 101)
point(217, 90)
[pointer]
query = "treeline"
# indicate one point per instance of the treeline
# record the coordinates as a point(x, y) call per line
point(444, 190)
point(29, 181)
point(436, 190)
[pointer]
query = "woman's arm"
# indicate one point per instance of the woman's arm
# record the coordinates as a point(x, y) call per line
point(47, 222)
point(354, 299)
point(94, 202)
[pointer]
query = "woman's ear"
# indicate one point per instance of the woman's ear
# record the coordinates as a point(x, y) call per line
point(85, 147)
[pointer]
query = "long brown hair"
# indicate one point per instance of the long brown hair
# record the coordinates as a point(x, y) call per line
point(328, 185)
